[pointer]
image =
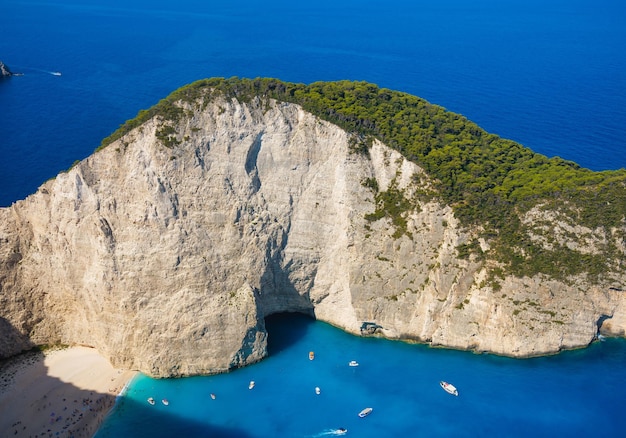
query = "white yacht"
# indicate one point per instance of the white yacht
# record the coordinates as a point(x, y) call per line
point(365, 412)
point(449, 388)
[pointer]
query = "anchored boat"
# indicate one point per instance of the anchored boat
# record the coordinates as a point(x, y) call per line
point(449, 388)
point(365, 412)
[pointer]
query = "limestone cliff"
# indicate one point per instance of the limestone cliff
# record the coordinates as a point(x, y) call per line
point(167, 256)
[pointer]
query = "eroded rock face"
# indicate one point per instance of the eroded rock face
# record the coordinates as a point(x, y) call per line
point(4, 71)
point(167, 259)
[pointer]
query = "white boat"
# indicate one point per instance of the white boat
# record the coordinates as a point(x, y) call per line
point(341, 431)
point(165, 402)
point(151, 401)
point(212, 396)
point(317, 390)
point(311, 355)
point(365, 412)
point(449, 388)
point(353, 363)
point(55, 73)
point(251, 385)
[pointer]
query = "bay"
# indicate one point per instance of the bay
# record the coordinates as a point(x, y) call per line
point(549, 75)
point(575, 393)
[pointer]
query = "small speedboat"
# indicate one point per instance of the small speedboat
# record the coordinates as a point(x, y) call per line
point(251, 385)
point(151, 401)
point(165, 402)
point(317, 390)
point(365, 412)
point(449, 388)
point(213, 396)
point(311, 355)
point(341, 431)
point(353, 363)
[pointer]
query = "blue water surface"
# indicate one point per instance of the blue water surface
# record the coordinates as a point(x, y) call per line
point(572, 394)
point(549, 75)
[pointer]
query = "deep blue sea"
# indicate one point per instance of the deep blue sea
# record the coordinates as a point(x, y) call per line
point(549, 74)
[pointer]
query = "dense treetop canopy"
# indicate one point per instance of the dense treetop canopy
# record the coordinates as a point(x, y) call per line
point(489, 181)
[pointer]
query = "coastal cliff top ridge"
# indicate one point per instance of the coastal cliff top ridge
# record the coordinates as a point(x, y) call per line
point(503, 191)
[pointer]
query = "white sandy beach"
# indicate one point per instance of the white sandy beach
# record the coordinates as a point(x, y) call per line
point(65, 392)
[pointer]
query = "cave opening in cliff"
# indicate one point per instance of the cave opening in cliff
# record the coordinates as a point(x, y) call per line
point(286, 329)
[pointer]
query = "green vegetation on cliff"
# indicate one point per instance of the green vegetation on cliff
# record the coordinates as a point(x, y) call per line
point(489, 181)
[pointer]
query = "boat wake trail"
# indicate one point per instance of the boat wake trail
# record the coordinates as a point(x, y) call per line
point(36, 70)
point(331, 432)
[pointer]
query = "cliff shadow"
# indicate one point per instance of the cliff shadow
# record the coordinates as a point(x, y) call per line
point(288, 313)
point(132, 418)
point(284, 284)
point(35, 402)
point(285, 330)
point(12, 341)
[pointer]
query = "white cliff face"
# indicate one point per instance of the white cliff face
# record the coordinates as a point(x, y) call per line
point(168, 259)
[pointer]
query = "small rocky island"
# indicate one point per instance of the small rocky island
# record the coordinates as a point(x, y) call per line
point(4, 70)
point(366, 208)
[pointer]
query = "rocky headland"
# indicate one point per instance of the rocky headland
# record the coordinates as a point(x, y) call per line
point(4, 71)
point(167, 248)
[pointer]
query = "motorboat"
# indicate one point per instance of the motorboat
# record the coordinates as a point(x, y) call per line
point(449, 388)
point(311, 355)
point(151, 401)
point(212, 396)
point(251, 385)
point(365, 412)
point(353, 363)
point(165, 402)
point(341, 431)
point(317, 390)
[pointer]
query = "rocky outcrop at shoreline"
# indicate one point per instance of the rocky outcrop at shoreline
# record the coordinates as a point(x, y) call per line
point(167, 256)
point(4, 71)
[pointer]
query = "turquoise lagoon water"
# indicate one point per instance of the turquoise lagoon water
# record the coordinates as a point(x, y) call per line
point(576, 393)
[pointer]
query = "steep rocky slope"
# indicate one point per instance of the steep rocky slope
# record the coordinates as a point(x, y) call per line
point(167, 255)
